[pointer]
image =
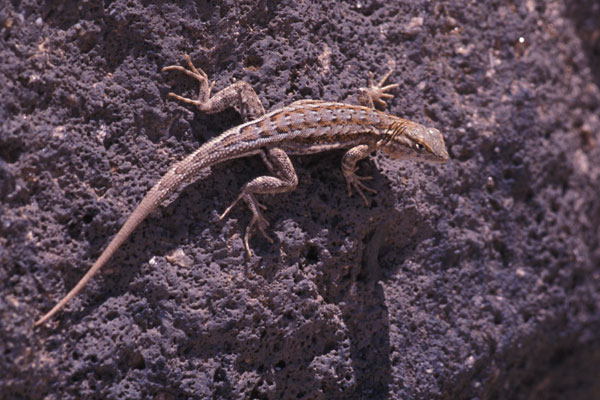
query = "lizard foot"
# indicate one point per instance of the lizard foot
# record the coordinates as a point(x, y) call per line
point(355, 181)
point(376, 93)
point(200, 76)
point(257, 219)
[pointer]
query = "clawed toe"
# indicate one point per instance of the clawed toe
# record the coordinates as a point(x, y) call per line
point(356, 182)
point(185, 99)
point(230, 207)
point(196, 70)
point(261, 222)
point(385, 77)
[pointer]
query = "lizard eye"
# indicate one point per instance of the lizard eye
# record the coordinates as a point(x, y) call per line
point(419, 147)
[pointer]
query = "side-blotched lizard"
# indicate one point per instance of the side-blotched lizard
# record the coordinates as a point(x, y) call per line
point(303, 127)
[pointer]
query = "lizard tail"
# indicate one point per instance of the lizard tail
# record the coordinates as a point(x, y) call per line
point(184, 171)
point(147, 205)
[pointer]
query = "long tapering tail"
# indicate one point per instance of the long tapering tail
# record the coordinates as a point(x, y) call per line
point(178, 175)
point(141, 212)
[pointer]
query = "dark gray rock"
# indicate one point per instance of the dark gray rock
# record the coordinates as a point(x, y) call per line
point(478, 279)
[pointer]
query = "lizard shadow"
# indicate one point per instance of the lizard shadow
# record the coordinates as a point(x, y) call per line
point(353, 277)
point(285, 352)
point(292, 351)
point(362, 359)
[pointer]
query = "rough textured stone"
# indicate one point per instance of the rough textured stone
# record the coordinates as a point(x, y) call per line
point(477, 279)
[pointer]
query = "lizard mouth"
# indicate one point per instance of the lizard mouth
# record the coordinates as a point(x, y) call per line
point(442, 159)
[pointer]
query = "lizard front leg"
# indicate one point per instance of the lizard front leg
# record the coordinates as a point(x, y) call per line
point(239, 95)
point(349, 168)
point(368, 97)
point(285, 180)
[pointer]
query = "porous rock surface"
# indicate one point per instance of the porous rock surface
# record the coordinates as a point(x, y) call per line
point(474, 279)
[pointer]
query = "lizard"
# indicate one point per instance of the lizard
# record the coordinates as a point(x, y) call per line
point(303, 127)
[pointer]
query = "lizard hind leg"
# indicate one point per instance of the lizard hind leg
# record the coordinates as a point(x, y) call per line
point(285, 180)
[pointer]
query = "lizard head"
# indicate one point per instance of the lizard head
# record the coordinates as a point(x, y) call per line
point(411, 141)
